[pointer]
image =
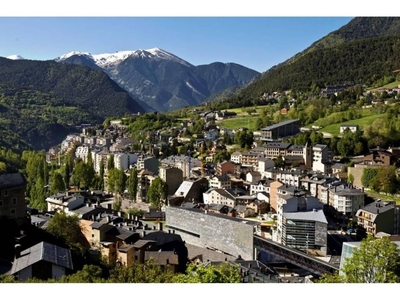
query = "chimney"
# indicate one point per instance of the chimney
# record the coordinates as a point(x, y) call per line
point(87, 204)
point(17, 250)
point(120, 214)
point(143, 233)
point(109, 206)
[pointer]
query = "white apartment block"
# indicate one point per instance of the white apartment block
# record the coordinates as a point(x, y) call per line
point(81, 152)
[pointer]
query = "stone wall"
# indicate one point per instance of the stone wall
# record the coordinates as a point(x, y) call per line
point(227, 234)
point(357, 172)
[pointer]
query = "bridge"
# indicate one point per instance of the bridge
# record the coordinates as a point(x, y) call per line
point(298, 258)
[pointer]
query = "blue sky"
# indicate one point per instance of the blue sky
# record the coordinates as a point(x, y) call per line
point(255, 42)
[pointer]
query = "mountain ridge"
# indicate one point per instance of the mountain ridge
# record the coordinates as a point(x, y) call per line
point(162, 80)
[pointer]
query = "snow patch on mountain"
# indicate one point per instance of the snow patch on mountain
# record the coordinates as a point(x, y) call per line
point(15, 57)
point(192, 88)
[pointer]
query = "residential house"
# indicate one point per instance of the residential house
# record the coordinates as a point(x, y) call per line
point(261, 186)
point(225, 167)
point(265, 164)
point(243, 211)
point(379, 156)
point(380, 216)
point(352, 128)
point(220, 182)
point(253, 177)
point(220, 196)
point(42, 261)
point(290, 177)
point(259, 206)
point(236, 157)
point(192, 190)
point(221, 115)
point(64, 202)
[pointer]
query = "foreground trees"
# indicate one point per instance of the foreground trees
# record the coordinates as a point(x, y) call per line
point(149, 272)
point(375, 261)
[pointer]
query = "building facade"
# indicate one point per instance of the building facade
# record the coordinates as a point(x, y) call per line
point(12, 196)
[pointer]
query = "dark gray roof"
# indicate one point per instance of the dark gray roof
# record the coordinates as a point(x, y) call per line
point(280, 124)
point(43, 251)
point(160, 258)
point(277, 145)
point(378, 207)
point(11, 180)
point(141, 243)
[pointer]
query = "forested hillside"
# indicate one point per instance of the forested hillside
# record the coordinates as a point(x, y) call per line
point(41, 102)
point(361, 61)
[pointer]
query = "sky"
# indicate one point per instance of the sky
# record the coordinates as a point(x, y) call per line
point(254, 35)
point(255, 42)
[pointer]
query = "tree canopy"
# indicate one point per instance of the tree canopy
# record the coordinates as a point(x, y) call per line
point(375, 261)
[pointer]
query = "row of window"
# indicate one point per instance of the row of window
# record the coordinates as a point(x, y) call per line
point(4, 193)
point(13, 202)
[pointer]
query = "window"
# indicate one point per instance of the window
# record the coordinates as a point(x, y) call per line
point(14, 201)
point(5, 193)
point(12, 211)
point(1, 203)
point(92, 234)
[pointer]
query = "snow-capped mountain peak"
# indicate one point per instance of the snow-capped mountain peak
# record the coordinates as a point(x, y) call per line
point(72, 53)
point(110, 59)
point(15, 57)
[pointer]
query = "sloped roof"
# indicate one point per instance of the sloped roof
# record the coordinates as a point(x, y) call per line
point(317, 216)
point(43, 251)
point(11, 180)
point(161, 258)
point(184, 188)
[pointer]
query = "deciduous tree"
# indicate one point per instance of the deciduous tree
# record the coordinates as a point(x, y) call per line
point(158, 192)
point(375, 261)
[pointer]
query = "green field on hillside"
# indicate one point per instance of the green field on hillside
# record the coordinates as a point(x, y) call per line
point(235, 123)
point(335, 128)
point(242, 110)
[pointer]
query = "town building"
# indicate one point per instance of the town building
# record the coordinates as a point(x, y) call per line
point(301, 222)
point(280, 130)
point(172, 176)
point(12, 196)
point(322, 156)
point(42, 261)
point(380, 216)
